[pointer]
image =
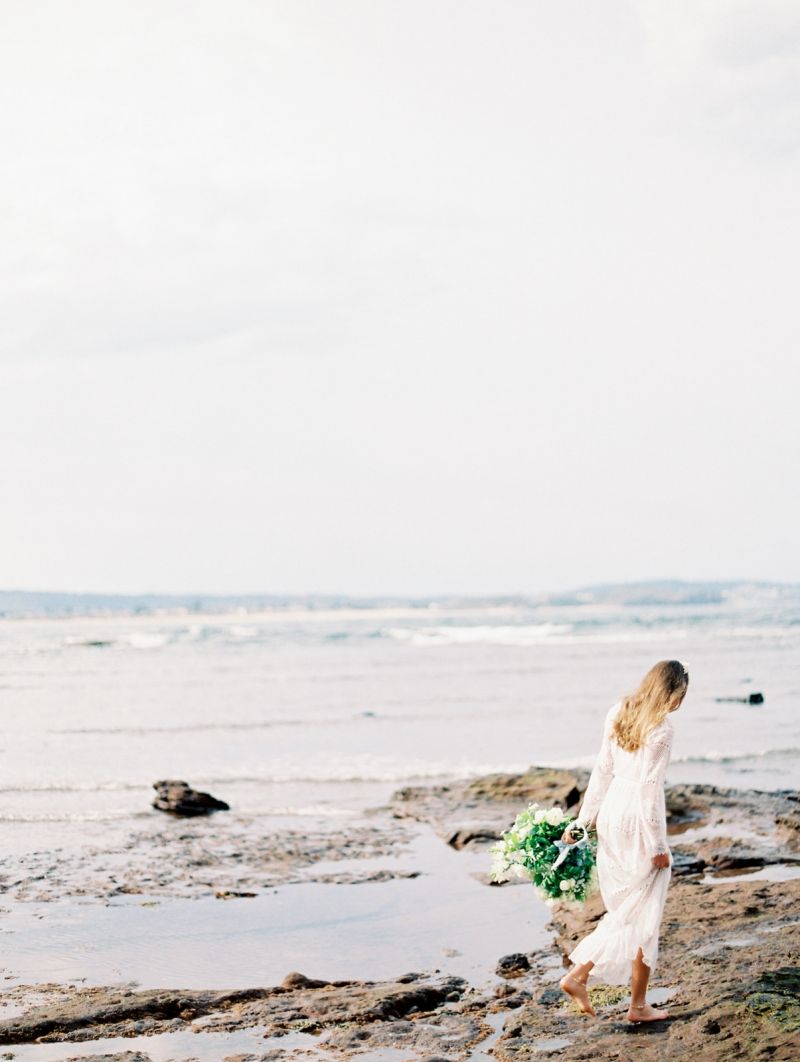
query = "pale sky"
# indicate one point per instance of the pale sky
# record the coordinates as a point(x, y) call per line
point(413, 297)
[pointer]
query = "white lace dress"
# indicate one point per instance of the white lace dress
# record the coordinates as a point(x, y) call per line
point(625, 799)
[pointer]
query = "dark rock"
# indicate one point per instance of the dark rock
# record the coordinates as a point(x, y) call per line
point(736, 857)
point(514, 965)
point(178, 798)
point(790, 820)
point(468, 834)
point(685, 861)
point(551, 997)
point(122, 1056)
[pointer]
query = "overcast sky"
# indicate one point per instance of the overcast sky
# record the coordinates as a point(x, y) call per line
point(419, 296)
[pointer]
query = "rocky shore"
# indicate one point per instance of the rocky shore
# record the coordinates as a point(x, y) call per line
point(728, 968)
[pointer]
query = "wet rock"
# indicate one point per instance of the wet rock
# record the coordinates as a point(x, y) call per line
point(122, 1056)
point(727, 854)
point(468, 835)
point(476, 811)
point(686, 807)
point(443, 1036)
point(178, 798)
point(198, 858)
point(363, 877)
point(300, 1003)
point(94, 1012)
point(724, 1003)
point(775, 996)
point(685, 861)
point(545, 785)
point(789, 818)
point(514, 965)
point(502, 991)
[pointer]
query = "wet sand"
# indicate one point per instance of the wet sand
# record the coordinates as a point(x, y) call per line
point(127, 951)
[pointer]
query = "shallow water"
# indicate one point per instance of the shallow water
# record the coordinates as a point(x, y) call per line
point(774, 872)
point(444, 920)
point(204, 1047)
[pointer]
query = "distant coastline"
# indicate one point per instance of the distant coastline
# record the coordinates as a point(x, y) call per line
point(19, 604)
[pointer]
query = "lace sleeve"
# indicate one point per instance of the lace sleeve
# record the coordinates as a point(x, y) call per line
point(657, 752)
point(599, 780)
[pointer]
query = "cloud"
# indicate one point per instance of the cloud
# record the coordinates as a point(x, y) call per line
point(733, 68)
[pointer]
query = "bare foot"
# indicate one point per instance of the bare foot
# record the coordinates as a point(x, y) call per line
point(577, 990)
point(644, 1012)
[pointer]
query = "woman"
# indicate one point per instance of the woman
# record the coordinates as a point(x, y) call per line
point(625, 798)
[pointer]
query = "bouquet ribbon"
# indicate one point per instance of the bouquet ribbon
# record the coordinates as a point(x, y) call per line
point(565, 847)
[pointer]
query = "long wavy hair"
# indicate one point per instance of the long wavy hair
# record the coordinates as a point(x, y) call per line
point(660, 691)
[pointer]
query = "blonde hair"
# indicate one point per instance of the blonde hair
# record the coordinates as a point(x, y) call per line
point(661, 690)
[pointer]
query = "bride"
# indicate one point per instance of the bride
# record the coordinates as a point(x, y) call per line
point(625, 799)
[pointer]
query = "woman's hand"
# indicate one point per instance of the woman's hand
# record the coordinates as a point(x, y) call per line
point(661, 861)
point(567, 836)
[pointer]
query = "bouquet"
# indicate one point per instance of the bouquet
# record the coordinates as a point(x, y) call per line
point(532, 848)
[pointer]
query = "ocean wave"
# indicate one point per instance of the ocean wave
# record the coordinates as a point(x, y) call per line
point(486, 634)
point(323, 811)
point(188, 728)
point(347, 775)
point(74, 787)
point(315, 811)
point(714, 756)
point(76, 816)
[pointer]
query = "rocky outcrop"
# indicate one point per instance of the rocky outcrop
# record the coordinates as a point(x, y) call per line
point(298, 1004)
point(727, 969)
point(196, 858)
point(476, 811)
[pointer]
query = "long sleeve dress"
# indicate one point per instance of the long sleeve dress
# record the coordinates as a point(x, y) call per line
point(625, 799)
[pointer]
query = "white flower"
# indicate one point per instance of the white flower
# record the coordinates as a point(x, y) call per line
point(554, 816)
point(549, 901)
point(498, 865)
point(539, 816)
point(566, 884)
point(525, 831)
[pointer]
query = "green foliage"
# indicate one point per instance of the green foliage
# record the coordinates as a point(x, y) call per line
point(528, 850)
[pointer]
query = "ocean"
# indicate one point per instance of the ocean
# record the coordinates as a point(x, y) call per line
point(318, 712)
